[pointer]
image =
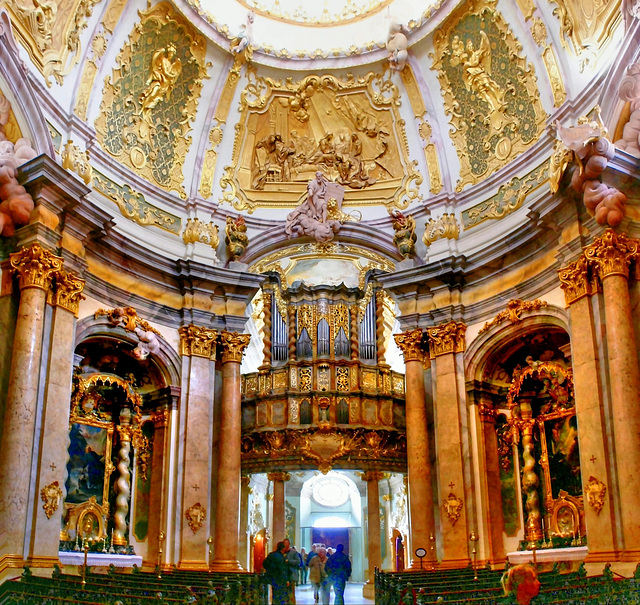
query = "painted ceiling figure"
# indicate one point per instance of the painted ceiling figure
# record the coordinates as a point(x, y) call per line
point(163, 75)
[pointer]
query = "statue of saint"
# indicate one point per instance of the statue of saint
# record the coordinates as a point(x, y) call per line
point(163, 75)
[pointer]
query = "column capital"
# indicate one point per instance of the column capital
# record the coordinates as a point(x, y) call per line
point(410, 344)
point(35, 266)
point(372, 476)
point(244, 481)
point(233, 346)
point(487, 413)
point(611, 253)
point(447, 338)
point(68, 291)
point(160, 418)
point(574, 280)
point(278, 476)
point(198, 341)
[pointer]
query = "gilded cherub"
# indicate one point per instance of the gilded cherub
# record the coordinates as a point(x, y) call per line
point(236, 236)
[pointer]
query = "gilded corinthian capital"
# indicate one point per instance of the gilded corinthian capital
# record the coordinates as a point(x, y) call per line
point(372, 476)
point(35, 267)
point(410, 345)
point(278, 476)
point(446, 338)
point(198, 341)
point(233, 346)
point(68, 291)
point(574, 280)
point(612, 253)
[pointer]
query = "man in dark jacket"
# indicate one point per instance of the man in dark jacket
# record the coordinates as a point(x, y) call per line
point(338, 568)
point(277, 573)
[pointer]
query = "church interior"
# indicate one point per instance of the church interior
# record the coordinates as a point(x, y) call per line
point(359, 272)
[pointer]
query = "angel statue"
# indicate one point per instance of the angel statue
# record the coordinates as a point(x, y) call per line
point(476, 76)
point(397, 46)
point(242, 43)
point(163, 74)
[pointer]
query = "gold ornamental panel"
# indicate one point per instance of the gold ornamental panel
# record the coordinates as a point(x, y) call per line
point(350, 129)
point(151, 99)
point(490, 91)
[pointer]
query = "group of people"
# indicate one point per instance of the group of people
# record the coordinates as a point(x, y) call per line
point(285, 567)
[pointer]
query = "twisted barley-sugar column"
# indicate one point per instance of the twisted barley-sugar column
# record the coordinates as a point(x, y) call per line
point(228, 497)
point(123, 482)
point(35, 267)
point(578, 283)
point(278, 504)
point(611, 255)
point(530, 480)
point(353, 342)
point(445, 341)
point(373, 528)
point(268, 320)
point(422, 522)
point(291, 315)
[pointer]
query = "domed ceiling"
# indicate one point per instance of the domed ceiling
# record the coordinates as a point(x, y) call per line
point(434, 116)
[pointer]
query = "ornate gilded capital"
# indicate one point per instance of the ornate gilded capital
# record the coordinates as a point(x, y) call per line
point(446, 338)
point(198, 341)
point(372, 476)
point(68, 291)
point(35, 267)
point(233, 346)
point(574, 280)
point(279, 476)
point(487, 413)
point(612, 253)
point(160, 418)
point(410, 344)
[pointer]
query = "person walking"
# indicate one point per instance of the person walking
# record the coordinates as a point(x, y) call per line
point(318, 577)
point(303, 567)
point(338, 569)
point(293, 561)
point(312, 553)
point(277, 574)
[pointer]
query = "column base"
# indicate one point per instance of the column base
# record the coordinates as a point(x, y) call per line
point(369, 590)
point(603, 556)
point(454, 563)
point(630, 554)
point(192, 566)
point(222, 565)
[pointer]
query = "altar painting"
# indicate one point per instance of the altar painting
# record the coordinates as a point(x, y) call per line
point(563, 453)
point(88, 448)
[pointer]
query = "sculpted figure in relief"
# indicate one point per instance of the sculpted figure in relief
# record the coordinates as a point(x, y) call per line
point(476, 76)
point(397, 44)
point(163, 74)
point(15, 203)
point(314, 217)
point(242, 43)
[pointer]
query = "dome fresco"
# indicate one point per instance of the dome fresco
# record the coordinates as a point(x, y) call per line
point(436, 127)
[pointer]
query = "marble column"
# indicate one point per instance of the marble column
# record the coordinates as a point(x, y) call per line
point(577, 282)
point(489, 473)
point(158, 490)
point(198, 349)
point(35, 267)
point(373, 526)
point(278, 531)
point(243, 543)
point(228, 501)
point(610, 255)
point(421, 514)
point(54, 436)
point(444, 342)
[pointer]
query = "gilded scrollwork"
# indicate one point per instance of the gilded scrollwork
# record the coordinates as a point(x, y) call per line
point(196, 515)
point(76, 160)
point(508, 199)
point(575, 280)
point(134, 205)
point(50, 31)
point(350, 129)
point(596, 492)
point(452, 507)
point(210, 158)
point(445, 226)
point(148, 105)
point(490, 91)
point(197, 231)
point(68, 291)
point(50, 495)
point(513, 313)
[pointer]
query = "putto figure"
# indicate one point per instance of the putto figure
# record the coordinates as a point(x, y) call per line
point(397, 46)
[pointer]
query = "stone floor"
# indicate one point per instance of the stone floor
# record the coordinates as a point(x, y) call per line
point(352, 595)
